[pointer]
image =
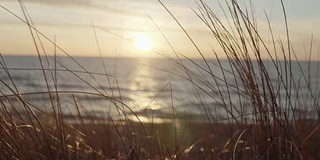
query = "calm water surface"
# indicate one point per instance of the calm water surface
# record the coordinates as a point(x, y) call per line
point(149, 87)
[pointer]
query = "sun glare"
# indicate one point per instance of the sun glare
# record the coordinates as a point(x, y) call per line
point(144, 43)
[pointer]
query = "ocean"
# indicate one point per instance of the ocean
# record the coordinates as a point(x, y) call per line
point(151, 89)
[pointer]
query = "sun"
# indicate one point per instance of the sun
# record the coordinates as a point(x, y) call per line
point(144, 43)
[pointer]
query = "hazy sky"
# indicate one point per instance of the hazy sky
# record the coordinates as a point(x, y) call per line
point(70, 21)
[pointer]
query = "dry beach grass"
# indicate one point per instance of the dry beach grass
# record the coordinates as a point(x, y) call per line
point(276, 126)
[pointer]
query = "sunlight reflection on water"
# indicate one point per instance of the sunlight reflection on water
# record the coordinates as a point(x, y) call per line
point(142, 86)
point(145, 119)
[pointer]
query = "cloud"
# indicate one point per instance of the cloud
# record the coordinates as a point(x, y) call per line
point(129, 14)
point(111, 6)
point(57, 2)
point(117, 7)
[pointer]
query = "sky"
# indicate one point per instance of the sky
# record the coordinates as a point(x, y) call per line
point(119, 23)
